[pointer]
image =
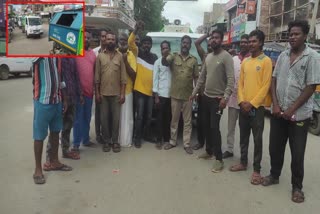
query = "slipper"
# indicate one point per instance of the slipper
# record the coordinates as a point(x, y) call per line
point(238, 167)
point(61, 167)
point(297, 196)
point(39, 179)
point(116, 147)
point(256, 178)
point(71, 155)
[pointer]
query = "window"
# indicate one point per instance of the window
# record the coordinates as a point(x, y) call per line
point(34, 21)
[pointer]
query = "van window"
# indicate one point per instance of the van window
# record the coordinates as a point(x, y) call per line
point(175, 43)
point(34, 21)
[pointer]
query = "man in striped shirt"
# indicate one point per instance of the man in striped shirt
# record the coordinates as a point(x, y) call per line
point(47, 89)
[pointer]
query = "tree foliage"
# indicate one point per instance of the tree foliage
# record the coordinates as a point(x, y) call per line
point(150, 11)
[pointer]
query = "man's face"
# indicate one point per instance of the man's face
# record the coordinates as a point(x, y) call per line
point(244, 45)
point(103, 36)
point(110, 42)
point(216, 41)
point(165, 49)
point(254, 44)
point(123, 43)
point(296, 37)
point(185, 45)
point(146, 46)
point(87, 41)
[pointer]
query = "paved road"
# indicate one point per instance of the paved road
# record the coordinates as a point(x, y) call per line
point(149, 181)
point(20, 44)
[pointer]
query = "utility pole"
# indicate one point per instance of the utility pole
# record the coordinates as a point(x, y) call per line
point(313, 20)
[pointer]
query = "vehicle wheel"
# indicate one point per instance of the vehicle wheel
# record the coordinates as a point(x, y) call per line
point(28, 36)
point(4, 73)
point(16, 74)
point(314, 127)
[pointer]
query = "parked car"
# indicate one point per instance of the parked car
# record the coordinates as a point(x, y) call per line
point(15, 66)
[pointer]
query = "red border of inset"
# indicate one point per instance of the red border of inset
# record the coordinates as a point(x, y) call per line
point(58, 2)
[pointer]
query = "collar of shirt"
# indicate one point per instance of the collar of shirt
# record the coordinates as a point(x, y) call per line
point(243, 57)
point(305, 52)
point(185, 59)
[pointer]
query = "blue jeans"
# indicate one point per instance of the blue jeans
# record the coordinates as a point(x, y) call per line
point(143, 116)
point(81, 126)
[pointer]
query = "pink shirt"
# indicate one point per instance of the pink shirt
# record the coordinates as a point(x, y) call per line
point(85, 66)
point(233, 99)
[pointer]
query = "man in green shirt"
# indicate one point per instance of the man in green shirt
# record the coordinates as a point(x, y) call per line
point(184, 68)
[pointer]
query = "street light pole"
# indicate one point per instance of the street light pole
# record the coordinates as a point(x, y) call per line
point(313, 20)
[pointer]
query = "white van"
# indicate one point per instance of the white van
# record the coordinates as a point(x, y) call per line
point(175, 42)
point(33, 26)
point(15, 66)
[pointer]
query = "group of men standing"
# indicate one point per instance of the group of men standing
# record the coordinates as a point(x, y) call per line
point(128, 80)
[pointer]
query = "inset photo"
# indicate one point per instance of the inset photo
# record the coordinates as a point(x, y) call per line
point(45, 29)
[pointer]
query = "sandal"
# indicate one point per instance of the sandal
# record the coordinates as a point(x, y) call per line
point(168, 146)
point(71, 155)
point(238, 167)
point(269, 180)
point(297, 196)
point(39, 179)
point(57, 167)
point(116, 147)
point(256, 178)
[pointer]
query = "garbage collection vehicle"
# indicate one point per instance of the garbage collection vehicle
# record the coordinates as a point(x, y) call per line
point(66, 31)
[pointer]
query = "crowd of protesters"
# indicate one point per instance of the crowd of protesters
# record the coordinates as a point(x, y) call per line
point(130, 84)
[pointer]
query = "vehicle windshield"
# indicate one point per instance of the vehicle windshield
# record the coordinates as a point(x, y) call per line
point(34, 21)
point(175, 43)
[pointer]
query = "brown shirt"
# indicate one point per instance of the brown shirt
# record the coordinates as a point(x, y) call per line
point(183, 73)
point(110, 73)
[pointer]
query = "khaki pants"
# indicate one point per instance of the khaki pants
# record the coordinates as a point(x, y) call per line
point(178, 106)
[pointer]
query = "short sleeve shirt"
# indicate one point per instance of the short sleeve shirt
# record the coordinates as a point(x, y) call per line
point(292, 79)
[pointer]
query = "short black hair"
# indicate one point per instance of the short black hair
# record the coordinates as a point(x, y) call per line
point(245, 36)
point(218, 32)
point(260, 35)
point(186, 37)
point(103, 30)
point(165, 42)
point(146, 39)
point(303, 24)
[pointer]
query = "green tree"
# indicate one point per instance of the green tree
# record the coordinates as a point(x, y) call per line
point(150, 11)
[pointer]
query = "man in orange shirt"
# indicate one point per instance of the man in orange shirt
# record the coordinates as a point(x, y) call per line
point(253, 89)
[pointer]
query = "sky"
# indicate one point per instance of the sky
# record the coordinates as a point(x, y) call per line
point(189, 11)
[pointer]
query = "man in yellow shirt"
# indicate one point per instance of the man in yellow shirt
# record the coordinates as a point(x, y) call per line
point(126, 112)
point(253, 89)
point(143, 85)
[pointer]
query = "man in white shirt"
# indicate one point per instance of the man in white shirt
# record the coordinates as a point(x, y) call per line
point(233, 106)
point(161, 91)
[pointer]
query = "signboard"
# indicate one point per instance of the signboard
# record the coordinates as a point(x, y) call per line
point(226, 38)
point(238, 27)
point(251, 7)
